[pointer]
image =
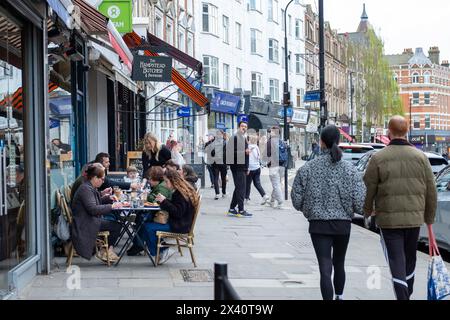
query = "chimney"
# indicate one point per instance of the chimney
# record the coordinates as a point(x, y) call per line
point(434, 55)
point(445, 63)
point(408, 51)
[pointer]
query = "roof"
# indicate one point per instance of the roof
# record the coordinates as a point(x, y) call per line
point(420, 58)
point(398, 59)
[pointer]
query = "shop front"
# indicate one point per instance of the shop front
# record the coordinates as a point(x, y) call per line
point(224, 110)
point(438, 142)
point(23, 131)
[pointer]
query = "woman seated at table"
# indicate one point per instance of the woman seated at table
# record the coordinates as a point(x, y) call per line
point(189, 175)
point(181, 211)
point(88, 207)
point(155, 176)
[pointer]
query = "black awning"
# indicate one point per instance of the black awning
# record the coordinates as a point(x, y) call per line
point(261, 122)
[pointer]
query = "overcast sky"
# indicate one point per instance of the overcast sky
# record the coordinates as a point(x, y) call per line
point(401, 23)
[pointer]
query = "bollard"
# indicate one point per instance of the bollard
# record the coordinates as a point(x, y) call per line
point(223, 290)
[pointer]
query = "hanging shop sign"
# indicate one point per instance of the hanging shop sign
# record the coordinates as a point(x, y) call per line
point(157, 69)
point(119, 12)
point(183, 112)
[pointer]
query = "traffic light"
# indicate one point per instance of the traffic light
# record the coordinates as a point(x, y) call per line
point(287, 98)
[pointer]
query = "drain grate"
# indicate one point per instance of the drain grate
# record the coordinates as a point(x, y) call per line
point(300, 244)
point(197, 275)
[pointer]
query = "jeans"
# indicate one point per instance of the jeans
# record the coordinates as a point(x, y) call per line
point(220, 170)
point(239, 178)
point(211, 173)
point(330, 251)
point(275, 174)
point(149, 235)
point(254, 176)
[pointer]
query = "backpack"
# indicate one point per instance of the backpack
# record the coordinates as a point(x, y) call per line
point(283, 154)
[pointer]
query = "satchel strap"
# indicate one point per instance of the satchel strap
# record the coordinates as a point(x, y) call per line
point(432, 244)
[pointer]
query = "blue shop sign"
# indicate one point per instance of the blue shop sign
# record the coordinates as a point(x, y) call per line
point(225, 103)
point(183, 112)
point(221, 126)
point(290, 112)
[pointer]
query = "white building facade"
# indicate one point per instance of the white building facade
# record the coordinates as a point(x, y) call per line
point(241, 46)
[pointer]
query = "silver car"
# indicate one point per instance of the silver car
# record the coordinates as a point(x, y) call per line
point(441, 227)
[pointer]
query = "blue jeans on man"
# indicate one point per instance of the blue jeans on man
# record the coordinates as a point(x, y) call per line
point(149, 235)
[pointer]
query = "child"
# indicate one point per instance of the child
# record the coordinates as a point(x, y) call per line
point(132, 175)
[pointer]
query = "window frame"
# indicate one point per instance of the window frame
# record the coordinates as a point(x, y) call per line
point(274, 90)
point(211, 68)
point(274, 54)
point(257, 85)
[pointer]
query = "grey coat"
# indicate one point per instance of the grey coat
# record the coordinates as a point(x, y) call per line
point(87, 208)
point(326, 191)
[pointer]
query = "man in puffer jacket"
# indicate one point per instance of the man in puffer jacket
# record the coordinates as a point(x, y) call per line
point(400, 183)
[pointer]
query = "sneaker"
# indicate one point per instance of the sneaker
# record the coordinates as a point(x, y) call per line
point(135, 251)
point(166, 255)
point(224, 195)
point(217, 197)
point(279, 206)
point(244, 214)
point(265, 200)
point(232, 213)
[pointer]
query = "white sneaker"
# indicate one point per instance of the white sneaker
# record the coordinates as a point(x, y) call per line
point(217, 197)
point(265, 200)
point(279, 205)
point(167, 254)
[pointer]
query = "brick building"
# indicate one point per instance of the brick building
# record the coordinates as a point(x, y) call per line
point(424, 83)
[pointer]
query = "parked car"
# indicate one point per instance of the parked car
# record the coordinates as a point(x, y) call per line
point(354, 152)
point(376, 146)
point(441, 226)
point(437, 162)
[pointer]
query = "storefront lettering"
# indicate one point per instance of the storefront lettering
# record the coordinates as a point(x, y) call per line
point(152, 69)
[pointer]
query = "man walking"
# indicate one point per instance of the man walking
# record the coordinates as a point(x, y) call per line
point(400, 182)
point(238, 158)
point(275, 163)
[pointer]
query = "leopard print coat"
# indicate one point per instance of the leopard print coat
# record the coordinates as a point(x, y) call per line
point(323, 190)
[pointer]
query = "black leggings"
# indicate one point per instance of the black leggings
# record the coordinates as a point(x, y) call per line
point(220, 170)
point(254, 176)
point(330, 252)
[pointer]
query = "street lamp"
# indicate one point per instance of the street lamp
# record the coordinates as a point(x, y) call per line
point(323, 102)
point(286, 97)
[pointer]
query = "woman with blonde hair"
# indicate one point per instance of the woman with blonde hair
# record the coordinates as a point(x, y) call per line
point(154, 153)
point(181, 209)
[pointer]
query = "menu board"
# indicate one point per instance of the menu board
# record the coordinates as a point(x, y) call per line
point(134, 158)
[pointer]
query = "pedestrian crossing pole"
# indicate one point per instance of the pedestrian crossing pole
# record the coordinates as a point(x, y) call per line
point(323, 102)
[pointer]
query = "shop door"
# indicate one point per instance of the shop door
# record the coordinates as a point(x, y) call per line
point(13, 231)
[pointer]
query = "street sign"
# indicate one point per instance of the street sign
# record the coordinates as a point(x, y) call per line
point(290, 112)
point(157, 69)
point(312, 96)
point(184, 112)
point(242, 118)
point(119, 12)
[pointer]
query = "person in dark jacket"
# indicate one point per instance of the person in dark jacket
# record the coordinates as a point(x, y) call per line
point(155, 153)
point(329, 191)
point(189, 175)
point(88, 206)
point(237, 156)
point(181, 211)
point(217, 156)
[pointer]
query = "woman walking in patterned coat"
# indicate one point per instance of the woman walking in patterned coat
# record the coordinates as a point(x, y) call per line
point(329, 191)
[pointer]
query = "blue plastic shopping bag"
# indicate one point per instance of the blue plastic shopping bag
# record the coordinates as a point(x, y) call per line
point(438, 276)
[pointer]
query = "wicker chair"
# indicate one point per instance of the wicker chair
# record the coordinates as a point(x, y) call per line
point(182, 240)
point(102, 243)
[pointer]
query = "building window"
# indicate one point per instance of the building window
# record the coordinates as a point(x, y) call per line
point(238, 78)
point(427, 121)
point(255, 41)
point(140, 8)
point(169, 32)
point(283, 62)
point(283, 19)
point(257, 86)
point(415, 98)
point(299, 64)
point(181, 40)
point(300, 94)
point(255, 5)
point(238, 35)
point(274, 86)
point(211, 68)
point(427, 98)
point(273, 10)
point(210, 23)
point(415, 78)
point(190, 44)
point(290, 24)
point(298, 29)
point(426, 77)
point(416, 120)
point(158, 27)
point(226, 29)
point(273, 50)
point(290, 61)
point(226, 77)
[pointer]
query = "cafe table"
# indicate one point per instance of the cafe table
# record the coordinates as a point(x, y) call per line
point(127, 217)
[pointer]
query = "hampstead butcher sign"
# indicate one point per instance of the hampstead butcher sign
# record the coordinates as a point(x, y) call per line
point(158, 69)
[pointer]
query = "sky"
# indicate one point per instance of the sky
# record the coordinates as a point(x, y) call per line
point(401, 23)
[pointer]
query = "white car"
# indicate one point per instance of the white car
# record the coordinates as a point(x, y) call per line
point(353, 152)
point(437, 162)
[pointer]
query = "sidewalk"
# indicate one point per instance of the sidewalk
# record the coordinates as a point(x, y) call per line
point(269, 256)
